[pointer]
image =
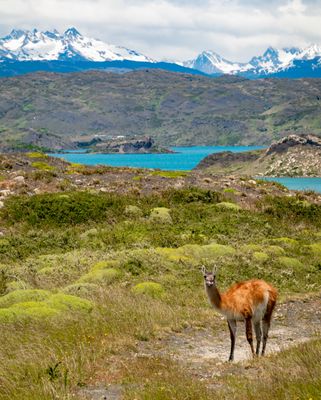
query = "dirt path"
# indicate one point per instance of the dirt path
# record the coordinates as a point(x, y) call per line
point(204, 352)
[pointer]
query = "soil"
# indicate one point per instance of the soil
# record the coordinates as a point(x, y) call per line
point(204, 352)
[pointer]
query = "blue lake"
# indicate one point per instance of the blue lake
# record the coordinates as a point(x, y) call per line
point(185, 158)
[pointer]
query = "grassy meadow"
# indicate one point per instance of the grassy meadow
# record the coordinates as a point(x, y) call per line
point(86, 278)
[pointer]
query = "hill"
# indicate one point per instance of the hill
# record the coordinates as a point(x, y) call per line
point(55, 110)
point(293, 155)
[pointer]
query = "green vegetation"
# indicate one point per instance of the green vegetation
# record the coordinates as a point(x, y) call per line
point(87, 278)
point(263, 111)
point(42, 166)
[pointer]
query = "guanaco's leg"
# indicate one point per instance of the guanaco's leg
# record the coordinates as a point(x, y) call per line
point(249, 333)
point(232, 328)
point(266, 324)
point(258, 334)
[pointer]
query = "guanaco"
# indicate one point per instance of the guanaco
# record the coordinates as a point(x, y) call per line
point(249, 301)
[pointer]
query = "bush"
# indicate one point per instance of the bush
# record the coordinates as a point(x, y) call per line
point(20, 296)
point(105, 276)
point(55, 209)
point(64, 302)
point(292, 208)
point(290, 262)
point(152, 289)
point(36, 154)
point(133, 211)
point(228, 206)
point(260, 256)
point(161, 215)
point(42, 166)
point(80, 289)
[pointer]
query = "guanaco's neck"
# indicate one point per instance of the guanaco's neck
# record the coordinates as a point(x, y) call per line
point(214, 296)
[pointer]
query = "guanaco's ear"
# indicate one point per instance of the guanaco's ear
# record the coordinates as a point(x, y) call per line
point(203, 270)
point(215, 269)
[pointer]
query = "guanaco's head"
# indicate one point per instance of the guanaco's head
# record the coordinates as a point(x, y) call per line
point(209, 277)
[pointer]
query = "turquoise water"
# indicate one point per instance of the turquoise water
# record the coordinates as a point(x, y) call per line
point(185, 158)
point(299, 183)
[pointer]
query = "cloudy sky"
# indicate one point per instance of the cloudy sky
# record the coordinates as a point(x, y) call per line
point(175, 29)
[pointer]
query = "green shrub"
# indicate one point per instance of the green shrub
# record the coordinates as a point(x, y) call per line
point(192, 195)
point(250, 248)
point(8, 315)
point(196, 253)
point(290, 262)
point(285, 241)
point(292, 208)
point(152, 289)
point(133, 211)
point(275, 250)
point(81, 289)
point(20, 296)
point(228, 206)
point(316, 248)
point(105, 276)
point(260, 256)
point(161, 215)
point(17, 285)
point(105, 264)
point(36, 154)
point(64, 302)
point(42, 166)
point(169, 174)
point(34, 309)
point(53, 208)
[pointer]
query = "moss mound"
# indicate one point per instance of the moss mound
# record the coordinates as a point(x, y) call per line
point(250, 248)
point(195, 252)
point(133, 211)
point(152, 289)
point(21, 296)
point(316, 249)
point(65, 302)
point(225, 205)
point(8, 315)
point(17, 285)
point(161, 215)
point(275, 250)
point(81, 289)
point(34, 309)
point(105, 264)
point(105, 276)
point(260, 256)
point(290, 262)
point(285, 241)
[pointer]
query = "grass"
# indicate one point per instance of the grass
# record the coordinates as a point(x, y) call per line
point(102, 276)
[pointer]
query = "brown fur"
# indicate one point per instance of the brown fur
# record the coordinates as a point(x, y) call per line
point(250, 301)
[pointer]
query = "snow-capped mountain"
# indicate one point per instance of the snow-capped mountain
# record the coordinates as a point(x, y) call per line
point(212, 63)
point(24, 45)
point(71, 51)
point(272, 61)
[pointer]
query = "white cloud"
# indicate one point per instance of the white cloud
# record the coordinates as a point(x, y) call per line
point(176, 29)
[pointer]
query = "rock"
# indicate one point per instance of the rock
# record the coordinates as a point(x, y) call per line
point(1, 204)
point(19, 179)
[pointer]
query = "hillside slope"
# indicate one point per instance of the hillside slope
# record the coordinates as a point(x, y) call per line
point(175, 109)
point(293, 155)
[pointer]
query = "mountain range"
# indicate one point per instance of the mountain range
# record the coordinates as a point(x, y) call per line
point(71, 51)
point(56, 111)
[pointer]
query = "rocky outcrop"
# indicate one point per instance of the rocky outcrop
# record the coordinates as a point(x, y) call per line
point(135, 145)
point(293, 140)
point(293, 155)
point(226, 158)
